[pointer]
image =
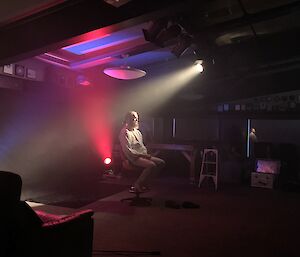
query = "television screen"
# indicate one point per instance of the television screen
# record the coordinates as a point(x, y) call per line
point(268, 166)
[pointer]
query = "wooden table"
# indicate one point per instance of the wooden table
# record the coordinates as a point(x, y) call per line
point(188, 151)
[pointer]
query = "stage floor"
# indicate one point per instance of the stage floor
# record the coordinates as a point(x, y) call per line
point(234, 221)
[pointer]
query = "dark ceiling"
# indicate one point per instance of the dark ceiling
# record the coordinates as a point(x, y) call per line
point(250, 47)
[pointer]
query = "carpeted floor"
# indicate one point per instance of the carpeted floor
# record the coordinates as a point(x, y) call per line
point(234, 221)
point(78, 198)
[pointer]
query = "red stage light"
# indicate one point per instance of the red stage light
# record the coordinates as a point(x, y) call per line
point(85, 83)
point(107, 160)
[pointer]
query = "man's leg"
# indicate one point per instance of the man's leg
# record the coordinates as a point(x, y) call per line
point(160, 163)
point(149, 166)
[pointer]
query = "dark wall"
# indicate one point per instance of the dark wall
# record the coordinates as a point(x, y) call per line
point(43, 138)
point(277, 131)
point(53, 135)
point(197, 129)
point(228, 135)
point(46, 133)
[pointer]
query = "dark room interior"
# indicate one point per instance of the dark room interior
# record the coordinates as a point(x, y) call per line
point(215, 86)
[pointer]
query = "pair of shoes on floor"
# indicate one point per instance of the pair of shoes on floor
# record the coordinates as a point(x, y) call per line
point(142, 189)
point(187, 205)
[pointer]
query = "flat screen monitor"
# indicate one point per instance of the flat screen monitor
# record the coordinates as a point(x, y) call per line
point(268, 166)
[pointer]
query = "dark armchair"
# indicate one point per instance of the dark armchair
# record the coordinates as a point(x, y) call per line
point(25, 232)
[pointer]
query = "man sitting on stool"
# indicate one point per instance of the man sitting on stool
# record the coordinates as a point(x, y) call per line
point(132, 145)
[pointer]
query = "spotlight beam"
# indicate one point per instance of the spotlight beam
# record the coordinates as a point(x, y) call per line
point(154, 93)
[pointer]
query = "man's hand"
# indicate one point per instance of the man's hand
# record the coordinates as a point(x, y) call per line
point(146, 156)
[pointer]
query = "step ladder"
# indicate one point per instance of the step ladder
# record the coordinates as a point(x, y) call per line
point(209, 166)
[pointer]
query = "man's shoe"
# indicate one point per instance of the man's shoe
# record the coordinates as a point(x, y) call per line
point(190, 205)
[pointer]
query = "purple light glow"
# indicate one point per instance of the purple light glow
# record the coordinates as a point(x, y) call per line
point(104, 41)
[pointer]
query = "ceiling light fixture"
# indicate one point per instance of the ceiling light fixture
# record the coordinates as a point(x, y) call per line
point(124, 72)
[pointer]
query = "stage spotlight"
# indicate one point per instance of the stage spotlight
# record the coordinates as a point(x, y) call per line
point(107, 161)
point(185, 40)
point(154, 30)
point(108, 168)
point(199, 65)
point(168, 34)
